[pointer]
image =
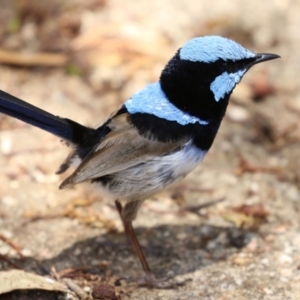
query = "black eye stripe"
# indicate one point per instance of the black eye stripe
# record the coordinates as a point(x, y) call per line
point(229, 66)
point(234, 66)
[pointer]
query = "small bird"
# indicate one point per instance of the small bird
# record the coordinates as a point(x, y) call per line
point(158, 136)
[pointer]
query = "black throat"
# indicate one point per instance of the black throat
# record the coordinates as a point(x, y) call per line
point(187, 86)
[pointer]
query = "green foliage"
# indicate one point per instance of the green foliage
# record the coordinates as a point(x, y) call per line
point(14, 24)
point(74, 69)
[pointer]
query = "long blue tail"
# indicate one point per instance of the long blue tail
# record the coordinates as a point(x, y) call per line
point(66, 129)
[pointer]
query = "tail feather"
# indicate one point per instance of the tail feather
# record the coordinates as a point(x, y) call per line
point(66, 129)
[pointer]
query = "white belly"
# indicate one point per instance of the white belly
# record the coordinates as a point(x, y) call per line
point(156, 173)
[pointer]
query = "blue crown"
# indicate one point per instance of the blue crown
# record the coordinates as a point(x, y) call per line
point(211, 48)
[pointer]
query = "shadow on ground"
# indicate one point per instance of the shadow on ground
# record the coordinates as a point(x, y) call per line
point(170, 250)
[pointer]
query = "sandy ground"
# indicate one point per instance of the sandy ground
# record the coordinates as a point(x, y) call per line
point(244, 247)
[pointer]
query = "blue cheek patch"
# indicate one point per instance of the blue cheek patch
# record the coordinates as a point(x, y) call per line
point(152, 100)
point(225, 83)
point(211, 48)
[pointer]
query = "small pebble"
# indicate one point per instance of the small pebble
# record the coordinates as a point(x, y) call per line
point(6, 145)
point(237, 114)
point(285, 259)
point(26, 252)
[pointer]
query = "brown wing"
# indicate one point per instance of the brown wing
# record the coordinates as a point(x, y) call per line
point(122, 148)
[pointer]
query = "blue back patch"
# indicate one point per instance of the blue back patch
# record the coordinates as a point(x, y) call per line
point(211, 48)
point(152, 100)
point(225, 83)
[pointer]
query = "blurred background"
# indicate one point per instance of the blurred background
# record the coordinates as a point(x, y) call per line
point(82, 60)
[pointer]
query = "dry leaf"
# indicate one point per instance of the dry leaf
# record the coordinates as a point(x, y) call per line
point(19, 280)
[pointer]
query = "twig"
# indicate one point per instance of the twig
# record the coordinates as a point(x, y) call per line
point(76, 289)
point(11, 244)
point(32, 59)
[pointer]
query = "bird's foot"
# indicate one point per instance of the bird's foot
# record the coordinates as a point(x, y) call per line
point(149, 280)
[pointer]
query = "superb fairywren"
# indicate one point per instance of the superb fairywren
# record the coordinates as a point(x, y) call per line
point(159, 135)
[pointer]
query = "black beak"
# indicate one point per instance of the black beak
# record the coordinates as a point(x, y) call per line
point(261, 57)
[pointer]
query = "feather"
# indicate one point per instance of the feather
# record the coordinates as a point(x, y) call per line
point(64, 128)
point(122, 148)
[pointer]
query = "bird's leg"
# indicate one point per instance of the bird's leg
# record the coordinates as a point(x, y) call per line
point(127, 215)
point(129, 231)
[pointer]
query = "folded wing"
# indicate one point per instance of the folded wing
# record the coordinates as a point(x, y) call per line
point(121, 149)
